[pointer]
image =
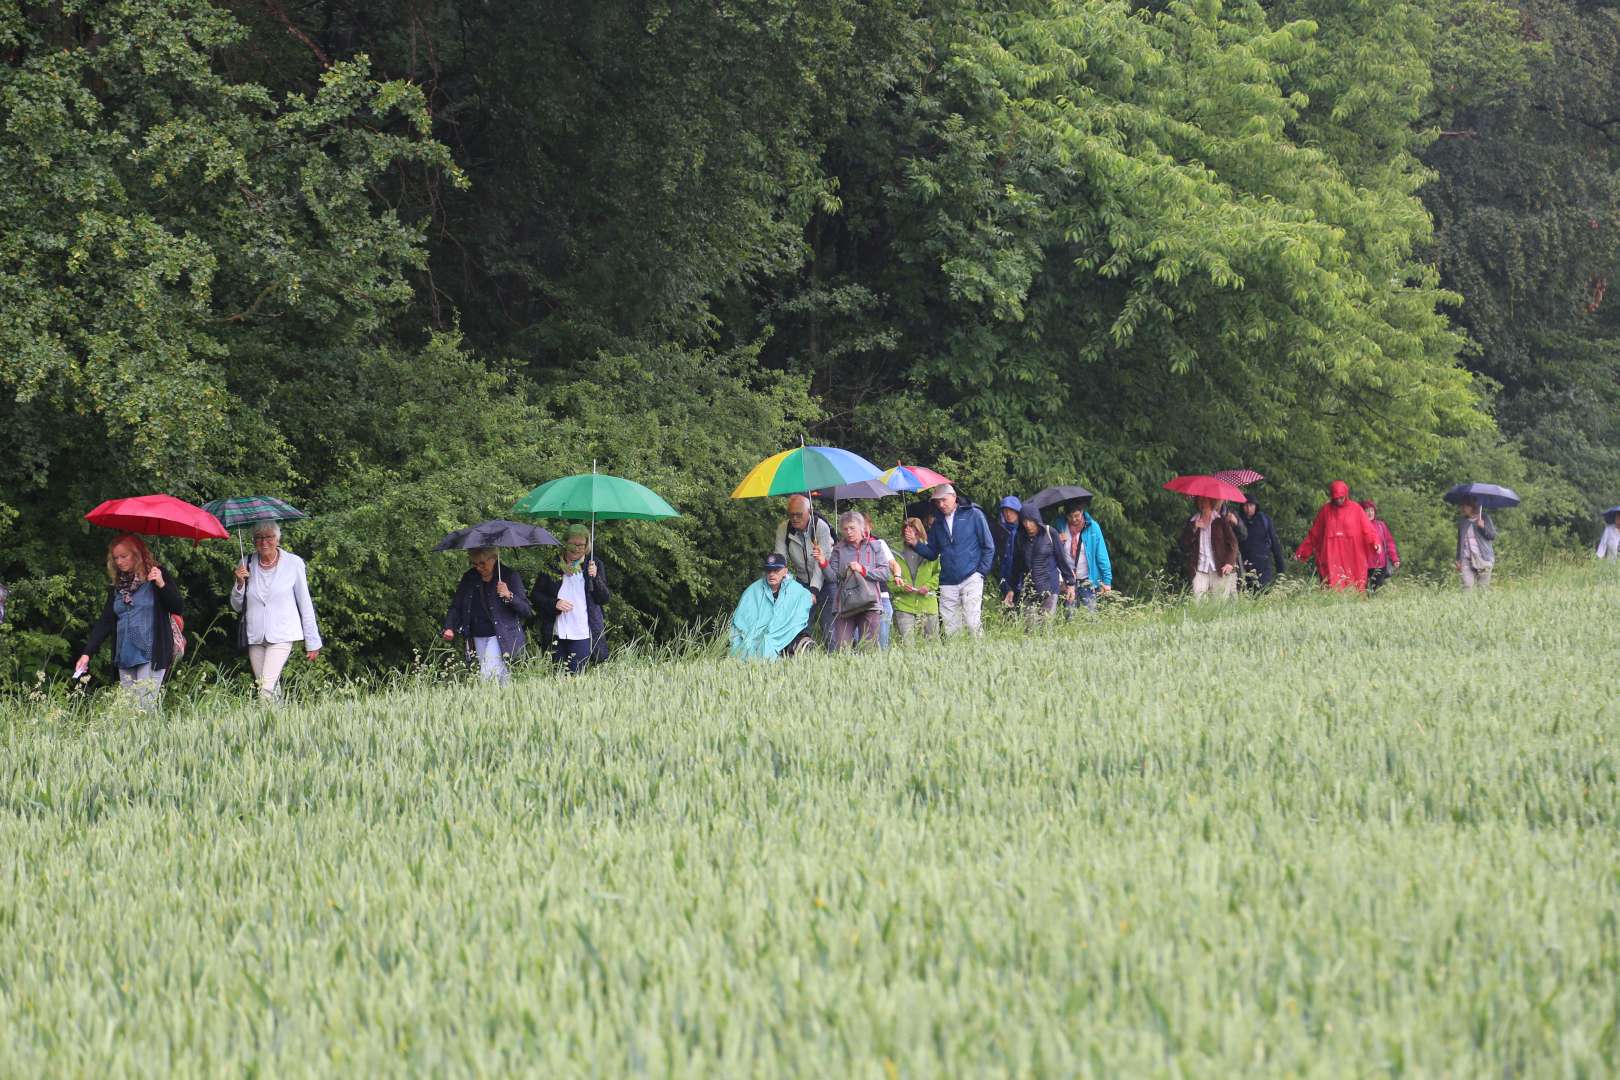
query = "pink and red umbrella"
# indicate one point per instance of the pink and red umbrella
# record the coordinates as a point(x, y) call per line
point(158, 515)
point(1207, 487)
point(912, 478)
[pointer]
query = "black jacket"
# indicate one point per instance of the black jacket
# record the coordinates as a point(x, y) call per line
point(169, 602)
point(1041, 560)
point(507, 617)
point(1262, 551)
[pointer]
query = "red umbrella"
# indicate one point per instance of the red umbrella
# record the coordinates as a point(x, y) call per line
point(1240, 477)
point(1206, 486)
point(158, 515)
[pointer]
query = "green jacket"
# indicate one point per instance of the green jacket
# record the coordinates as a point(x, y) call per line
point(911, 603)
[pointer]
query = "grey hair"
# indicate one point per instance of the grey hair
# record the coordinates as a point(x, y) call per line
point(801, 497)
point(852, 517)
point(483, 553)
point(267, 528)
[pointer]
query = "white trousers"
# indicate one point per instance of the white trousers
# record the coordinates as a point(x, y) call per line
point(962, 605)
point(267, 660)
point(1223, 586)
point(491, 664)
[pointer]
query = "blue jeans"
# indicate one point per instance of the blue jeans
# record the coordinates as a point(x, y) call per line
point(572, 654)
point(1083, 594)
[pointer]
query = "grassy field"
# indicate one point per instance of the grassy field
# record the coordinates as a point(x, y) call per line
point(1296, 837)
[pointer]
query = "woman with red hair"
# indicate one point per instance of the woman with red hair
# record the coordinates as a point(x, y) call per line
point(137, 615)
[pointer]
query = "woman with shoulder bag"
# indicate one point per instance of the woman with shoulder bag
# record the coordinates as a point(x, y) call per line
point(142, 605)
point(856, 568)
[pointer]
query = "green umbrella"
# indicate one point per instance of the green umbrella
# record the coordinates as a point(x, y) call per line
point(592, 496)
point(250, 510)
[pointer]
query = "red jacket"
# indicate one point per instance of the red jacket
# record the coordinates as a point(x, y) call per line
point(1342, 539)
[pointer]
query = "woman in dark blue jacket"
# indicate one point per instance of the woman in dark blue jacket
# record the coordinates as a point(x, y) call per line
point(488, 610)
point(1262, 551)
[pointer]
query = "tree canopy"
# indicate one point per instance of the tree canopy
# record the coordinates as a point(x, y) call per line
point(399, 262)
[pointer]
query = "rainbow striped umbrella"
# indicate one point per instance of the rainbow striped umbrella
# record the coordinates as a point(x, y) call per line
point(913, 478)
point(804, 469)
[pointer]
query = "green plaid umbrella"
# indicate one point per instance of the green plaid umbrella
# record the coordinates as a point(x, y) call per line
point(250, 510)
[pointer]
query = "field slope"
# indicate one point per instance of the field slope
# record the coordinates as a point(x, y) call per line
point(1311, 836)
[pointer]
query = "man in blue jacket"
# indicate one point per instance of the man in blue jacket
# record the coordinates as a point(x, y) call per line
point(960, 539)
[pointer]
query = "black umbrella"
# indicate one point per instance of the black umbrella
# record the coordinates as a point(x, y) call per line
point(1056, 496)
point(496, 534)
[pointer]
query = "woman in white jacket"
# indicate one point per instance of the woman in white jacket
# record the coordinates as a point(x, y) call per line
point(272, 595)
point(1609, 544)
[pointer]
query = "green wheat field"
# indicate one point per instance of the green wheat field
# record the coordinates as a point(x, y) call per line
point(1304, 836)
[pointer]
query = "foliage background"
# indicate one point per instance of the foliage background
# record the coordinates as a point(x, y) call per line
point(398, 261)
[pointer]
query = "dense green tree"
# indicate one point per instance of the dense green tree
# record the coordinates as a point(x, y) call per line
point(1110, 242)
point(1527, 203)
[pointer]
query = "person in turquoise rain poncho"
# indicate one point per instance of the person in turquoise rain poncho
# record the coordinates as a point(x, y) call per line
point(773, 617)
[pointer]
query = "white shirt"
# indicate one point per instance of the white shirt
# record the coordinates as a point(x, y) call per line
point(1206, 549)
point(1081, 570)
point(573, 625)
point(276, 604)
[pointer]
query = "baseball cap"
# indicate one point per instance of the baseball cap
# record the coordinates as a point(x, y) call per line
point(773, 561)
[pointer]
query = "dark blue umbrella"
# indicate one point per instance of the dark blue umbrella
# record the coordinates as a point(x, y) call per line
point(496, 534)
point(1488, 496)
point(1611, 513)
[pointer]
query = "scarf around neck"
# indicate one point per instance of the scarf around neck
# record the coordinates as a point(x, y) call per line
point(128, 584)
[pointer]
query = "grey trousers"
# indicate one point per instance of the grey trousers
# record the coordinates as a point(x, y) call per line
point(908, 625)
point(1472, 577)
point(143, 684)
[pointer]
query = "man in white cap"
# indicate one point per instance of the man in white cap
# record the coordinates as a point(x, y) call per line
point(960, 539)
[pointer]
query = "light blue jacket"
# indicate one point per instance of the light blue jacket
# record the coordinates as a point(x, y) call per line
point(1099, 568)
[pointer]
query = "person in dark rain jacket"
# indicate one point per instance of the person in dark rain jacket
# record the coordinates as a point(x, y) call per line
point(1263, 553)
point(1041, 570)
point(488, 610)
point(1006, 533)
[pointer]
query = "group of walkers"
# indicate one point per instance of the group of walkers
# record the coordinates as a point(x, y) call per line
point(816, 588)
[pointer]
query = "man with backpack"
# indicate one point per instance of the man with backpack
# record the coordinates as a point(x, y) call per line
point(960, 539)
point(1041, 568)
point(803, 540)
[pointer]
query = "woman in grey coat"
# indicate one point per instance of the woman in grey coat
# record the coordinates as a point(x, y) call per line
point(1476, 553)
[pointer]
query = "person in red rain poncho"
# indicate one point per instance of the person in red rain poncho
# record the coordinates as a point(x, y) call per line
point(1341, 540)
